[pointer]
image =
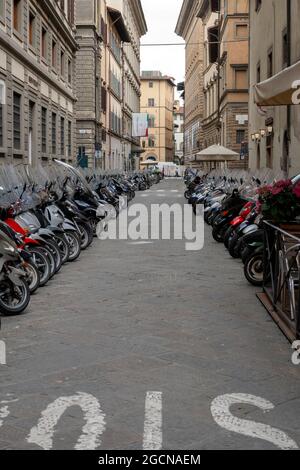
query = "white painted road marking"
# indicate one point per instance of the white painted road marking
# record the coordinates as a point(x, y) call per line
point(43, 433)
point(153, 421)
point(4, 412)
point(220, 410)
point(140, 243)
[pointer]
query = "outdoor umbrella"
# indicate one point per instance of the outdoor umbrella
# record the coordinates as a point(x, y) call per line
point(217, 153)
point(281, 89)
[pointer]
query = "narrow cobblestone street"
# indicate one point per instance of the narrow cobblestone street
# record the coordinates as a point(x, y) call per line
point(128, 319)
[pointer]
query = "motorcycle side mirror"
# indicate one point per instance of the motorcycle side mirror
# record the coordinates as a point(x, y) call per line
point(258, 182)
point(242, 181)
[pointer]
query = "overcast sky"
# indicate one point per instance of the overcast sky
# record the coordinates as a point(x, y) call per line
point(161, 17)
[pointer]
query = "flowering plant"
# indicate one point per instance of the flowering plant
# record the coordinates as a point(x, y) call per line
point(279, 202)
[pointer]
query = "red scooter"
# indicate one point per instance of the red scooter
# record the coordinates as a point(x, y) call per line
point(246, 210)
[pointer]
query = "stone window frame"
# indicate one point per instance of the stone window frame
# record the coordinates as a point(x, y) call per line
point(44, 27)
point(4, 114)
point(44, 105)
point(236, 29)
point(54, 66)
point(32, 11)
point(62, 65)
point(18, 153)
point(54, 111)
point(62, 135)
point(18, 34)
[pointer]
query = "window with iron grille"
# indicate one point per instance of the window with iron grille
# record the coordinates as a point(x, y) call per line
point(1, 125)
point(62, 136)
point(17, 121)
point(69, 138)
point(53, 134)
point(2, 103)
point(44, 130)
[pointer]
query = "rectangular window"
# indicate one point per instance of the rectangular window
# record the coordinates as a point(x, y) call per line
point(54, 53)
point(270, 64)
point(17, 121)
point(69, 138)
point(241, 31)
point(150, 84)
point(103, 99)
point(151, 121)
point(2, 103)
point(62, 136)
point(240, 136)
point(53, 133)
point(62, 64)
point(258, 74)
point(44, 43)
point(69, 71)
point(44, 130)
point(17, 15)
point(241, 79)
point(285, 49)
point(32, 29)
point(151, 102)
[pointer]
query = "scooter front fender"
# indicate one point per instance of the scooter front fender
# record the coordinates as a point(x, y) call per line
point(250, 229)
point(69, 226)
point(15, 274)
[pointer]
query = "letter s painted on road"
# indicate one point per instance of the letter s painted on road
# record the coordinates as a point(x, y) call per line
point(220, 410)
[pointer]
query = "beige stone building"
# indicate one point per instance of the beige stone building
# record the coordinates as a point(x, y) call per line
point(226, 33)
point(123, 24)
point(190, 28)
point(157, 101)
point(274, 47)
point(37, 81)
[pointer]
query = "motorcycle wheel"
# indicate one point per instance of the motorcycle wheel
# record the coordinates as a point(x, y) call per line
point(51, 259)
point(254, 269)
point(87, 235)
point(232, 246)
point(63, 247)
point(33, 277)
point(74, 245)
point(41, 261)
point(246, 253)
point(228, 236)
point(55, 251)
point(218, 234)
point(13, 299)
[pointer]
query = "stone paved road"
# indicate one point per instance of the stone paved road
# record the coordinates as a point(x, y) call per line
point(129, 319)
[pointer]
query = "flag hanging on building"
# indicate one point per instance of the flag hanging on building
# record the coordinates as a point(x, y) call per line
point(140, 125)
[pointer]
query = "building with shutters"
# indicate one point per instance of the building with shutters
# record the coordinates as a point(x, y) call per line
point(37, 87)
point(157, 101)
point(226, 82)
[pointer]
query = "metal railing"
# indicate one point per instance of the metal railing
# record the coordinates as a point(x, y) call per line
point(282, 277)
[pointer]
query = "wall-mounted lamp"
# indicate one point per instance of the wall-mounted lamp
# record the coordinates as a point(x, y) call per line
point(270, 129)
point(263, 133)
point(253, 137)
point(257, 137)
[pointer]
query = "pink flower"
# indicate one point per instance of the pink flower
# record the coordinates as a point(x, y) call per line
point(283, 184)
point(277, 190)
point(296, 191)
